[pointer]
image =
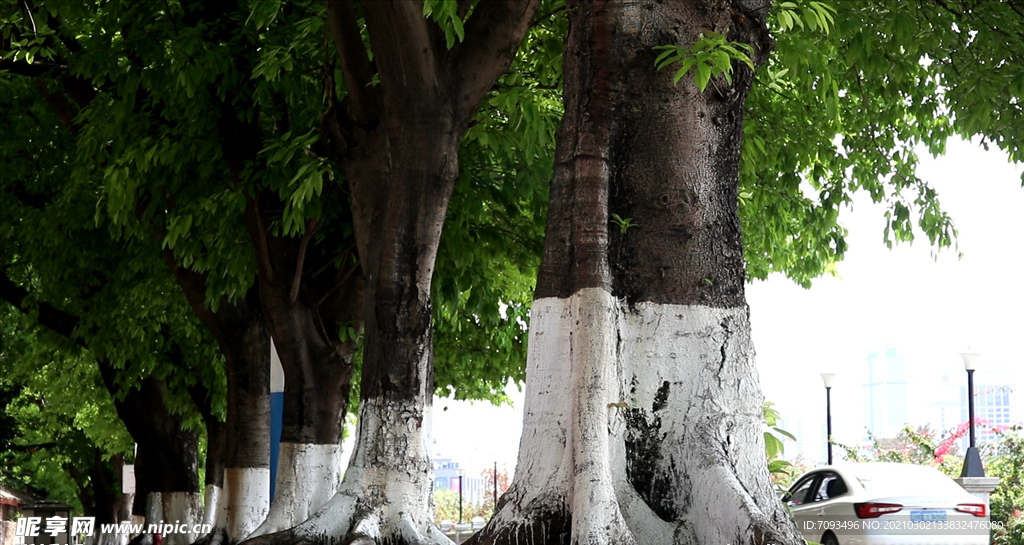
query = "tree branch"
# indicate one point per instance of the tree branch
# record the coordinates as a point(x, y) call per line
point(60, 105)
point(363, 101)
point(27, 69)
point(543, 17)
point(293, 295)
point(406, 54)
point(258, 233)
point(493, 33)
point(193, 285)
point(48, 316)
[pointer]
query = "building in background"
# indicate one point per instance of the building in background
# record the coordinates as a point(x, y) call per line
point(886, 393)
point(449, 476)
point(992, 409)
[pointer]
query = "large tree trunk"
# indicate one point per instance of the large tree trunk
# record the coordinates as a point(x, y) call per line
point(385, 496)
point(399, 149)
point(237, 496)
point(237, 484)
point(643, 422)
point(167, 460)
point(304, 316)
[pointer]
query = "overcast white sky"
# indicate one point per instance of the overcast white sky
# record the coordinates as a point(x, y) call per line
point(933, 309)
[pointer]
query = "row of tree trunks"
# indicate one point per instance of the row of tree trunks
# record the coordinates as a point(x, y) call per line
point(643, 422)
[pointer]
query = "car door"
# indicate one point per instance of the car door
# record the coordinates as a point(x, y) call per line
point(800, 500)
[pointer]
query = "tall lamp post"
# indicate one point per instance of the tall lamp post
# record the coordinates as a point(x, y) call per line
point(828, 379)
point(461, 472)
point(972, 460)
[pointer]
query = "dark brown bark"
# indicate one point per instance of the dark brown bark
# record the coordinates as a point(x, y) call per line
point(663, 158)
point(243, 438)
point(402, 166)
point(171, 449)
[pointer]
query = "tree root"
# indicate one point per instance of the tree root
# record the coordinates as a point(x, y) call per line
point(217, 536)
point(348, 520)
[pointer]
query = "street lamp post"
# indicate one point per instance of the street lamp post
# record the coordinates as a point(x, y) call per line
point(972, 460)
point(828, 378)
point(461, 471)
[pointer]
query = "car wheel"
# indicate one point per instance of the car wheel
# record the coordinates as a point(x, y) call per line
point(829, 539)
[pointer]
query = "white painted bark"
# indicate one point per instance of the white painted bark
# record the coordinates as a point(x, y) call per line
point(178, 508)
point(247, 501)
point(386, 495)
point(307, 477)
point(598, 375)
point(213, 507)
point(240, 507)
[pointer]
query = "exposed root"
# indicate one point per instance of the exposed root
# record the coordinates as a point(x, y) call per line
point(385, 496)
point(362, 528)
point(535, 525)
point(217, 536)
point(308, 478)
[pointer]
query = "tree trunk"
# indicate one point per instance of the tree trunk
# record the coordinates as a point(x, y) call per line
point(238, 449)
point(108, 504)
point(317, 366)
point(643, 422)
point(399, 147)
point(237, 487)
point(167, 461)
point(162, 496)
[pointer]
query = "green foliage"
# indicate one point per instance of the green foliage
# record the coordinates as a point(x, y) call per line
point(850, 95)
point(711, 55)
point(446, 14)
point(773, 443)
point(1005, 459)
point(446, 507)
point(446, 502)
point(624, 224)
point(56, 417)
point(818, 16)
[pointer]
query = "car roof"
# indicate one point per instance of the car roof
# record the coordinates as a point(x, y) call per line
point(892, 477)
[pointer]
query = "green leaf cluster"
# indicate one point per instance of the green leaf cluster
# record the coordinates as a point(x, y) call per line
point(709, 56)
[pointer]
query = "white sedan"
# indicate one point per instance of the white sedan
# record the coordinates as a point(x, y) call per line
point(885, 504)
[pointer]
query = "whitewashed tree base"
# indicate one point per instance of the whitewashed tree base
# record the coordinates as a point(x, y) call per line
point(307, 477)
point(178, 508)
point(237, 510)
point(248, 499)
point(386, 495)
point(659, 398)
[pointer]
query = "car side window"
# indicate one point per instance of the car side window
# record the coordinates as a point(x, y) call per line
point(802, 491)
point(831, 486)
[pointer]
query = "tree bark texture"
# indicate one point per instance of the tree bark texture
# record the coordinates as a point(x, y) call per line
point(643, 422)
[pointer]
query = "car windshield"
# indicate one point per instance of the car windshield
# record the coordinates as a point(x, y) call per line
point(901, 480)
